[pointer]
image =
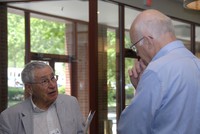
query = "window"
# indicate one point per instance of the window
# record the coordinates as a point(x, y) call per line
point(47, 35)
point(197, 39)
point(182, 31)
point(16, 54)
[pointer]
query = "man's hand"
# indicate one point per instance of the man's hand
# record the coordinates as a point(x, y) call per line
point(136, 72)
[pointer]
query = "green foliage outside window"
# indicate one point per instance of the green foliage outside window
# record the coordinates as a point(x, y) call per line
point(47, 36)
point(16, 40)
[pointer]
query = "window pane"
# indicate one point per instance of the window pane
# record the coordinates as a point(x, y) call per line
point(64, 81)
point(129, 89)
point(182, 31)
point(107, 65)
point(111, 76)
point(197, 41)
point(81, 63)
point(47, 36)
point(130, 14)
point(15, 56)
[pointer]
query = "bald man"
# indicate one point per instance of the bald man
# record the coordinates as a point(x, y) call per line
point(166, 78)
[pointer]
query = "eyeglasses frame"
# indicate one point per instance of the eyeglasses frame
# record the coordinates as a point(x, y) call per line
point(133, 45)
point(42, 83)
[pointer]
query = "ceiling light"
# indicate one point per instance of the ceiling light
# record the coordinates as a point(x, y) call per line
point(192, 4)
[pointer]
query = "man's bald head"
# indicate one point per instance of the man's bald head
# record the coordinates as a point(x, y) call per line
point(152, 23)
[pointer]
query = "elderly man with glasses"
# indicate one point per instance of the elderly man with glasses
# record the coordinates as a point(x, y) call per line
point(45, 111)
point(166, 79)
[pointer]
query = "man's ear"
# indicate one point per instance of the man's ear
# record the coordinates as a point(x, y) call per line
point(149, 42)
point(28, 89)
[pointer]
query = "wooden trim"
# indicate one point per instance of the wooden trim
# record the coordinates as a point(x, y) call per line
point(27, 37)
point(3, 57)
point(121, 90)
point(49, 57)
point(93, 64)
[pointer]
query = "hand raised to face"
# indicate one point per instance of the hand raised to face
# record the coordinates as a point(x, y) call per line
point(136, 71)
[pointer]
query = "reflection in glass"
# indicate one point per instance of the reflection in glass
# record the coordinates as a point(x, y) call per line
point(182, 31)
point(130, 15)
point(197, 47)
point(108, 69)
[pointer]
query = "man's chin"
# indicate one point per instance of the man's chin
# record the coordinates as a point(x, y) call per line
point(53, 95)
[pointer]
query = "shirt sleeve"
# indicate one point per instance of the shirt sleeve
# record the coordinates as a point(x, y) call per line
point(138, 116)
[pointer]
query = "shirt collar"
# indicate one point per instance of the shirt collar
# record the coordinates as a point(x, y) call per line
point(172, 45)
point(37, 109)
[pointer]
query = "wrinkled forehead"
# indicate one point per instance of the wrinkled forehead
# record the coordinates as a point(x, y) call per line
point(43, 72)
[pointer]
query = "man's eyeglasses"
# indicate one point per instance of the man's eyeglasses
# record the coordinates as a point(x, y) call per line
point(133, 47)
point(45, 82)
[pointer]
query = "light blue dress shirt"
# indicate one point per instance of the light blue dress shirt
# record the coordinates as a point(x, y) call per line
point(167, 99)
